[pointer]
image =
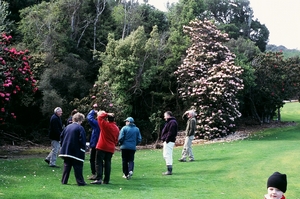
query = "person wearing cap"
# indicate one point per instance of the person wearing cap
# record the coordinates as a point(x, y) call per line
point(129, 138)
point(168, 136)
point(55, 129)
point(276, 185)
point(105, 147)
point(73, 144)
point(189, 136)
point(94, 139)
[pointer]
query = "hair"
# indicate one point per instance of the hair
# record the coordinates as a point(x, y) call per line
point(57, 109)
point(73, 112)
point(111, 117)
point(78, 117)
point(169, 113)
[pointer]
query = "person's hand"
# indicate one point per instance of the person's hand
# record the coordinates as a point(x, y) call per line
point(100, 112)
point(111, 114)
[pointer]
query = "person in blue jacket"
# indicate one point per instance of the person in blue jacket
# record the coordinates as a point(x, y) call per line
point(94, 139)
point(129, 138)
point(73, 144)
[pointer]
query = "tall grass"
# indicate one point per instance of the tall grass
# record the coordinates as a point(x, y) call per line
point(229, 170)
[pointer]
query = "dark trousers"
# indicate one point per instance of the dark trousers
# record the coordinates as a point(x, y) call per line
point(103, 159)
point(127, 160)
point(78, 169)
point(93, 160)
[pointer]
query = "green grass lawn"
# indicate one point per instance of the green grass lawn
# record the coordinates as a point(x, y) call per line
point(233, 170)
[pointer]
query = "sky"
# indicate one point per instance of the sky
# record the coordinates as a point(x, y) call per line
point(281, 17)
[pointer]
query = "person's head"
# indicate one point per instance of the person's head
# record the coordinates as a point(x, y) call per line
point(110, 117)
point(167, 115)
point(129, 120)
point(276, 185)
point(73, 112)
point(191, 113)
point(58, 111)
point(78, 117)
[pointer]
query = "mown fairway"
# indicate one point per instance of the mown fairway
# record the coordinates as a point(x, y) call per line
point(234, 170)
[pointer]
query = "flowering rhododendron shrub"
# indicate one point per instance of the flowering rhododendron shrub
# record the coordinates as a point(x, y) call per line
point(16, 79)
point(209, 81)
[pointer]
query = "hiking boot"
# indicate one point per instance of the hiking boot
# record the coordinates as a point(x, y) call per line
point(167, 173)
point(47, 161)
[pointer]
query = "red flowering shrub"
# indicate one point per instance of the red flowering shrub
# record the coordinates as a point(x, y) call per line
point(16, 79)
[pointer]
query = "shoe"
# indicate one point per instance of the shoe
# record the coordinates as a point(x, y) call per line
point(54, 166)
point(191, 160)
point(167, 173)
point(129, 176)
point(92, 177)
point(182, 160)
point(104, 182)
point(97, 182)
point(82, 184)
point(124, 176)
point(47, 161)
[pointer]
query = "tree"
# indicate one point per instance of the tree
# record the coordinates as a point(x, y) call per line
point(5, 23)
point(235, 17)
point(63, 81)
point(209, 80)
point(44, 29)
point(276, 80)
point(128, 67)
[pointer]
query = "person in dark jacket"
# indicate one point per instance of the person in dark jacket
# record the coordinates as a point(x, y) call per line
point(189, 136)
point(55, 128)
point(73, 143)
point(94, 139)
point(129, 138)
point(168, 136)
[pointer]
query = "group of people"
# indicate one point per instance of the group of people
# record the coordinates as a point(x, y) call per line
point(168, 136)
point(71, 142)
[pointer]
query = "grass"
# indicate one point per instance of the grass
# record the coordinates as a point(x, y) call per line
point(235, 170)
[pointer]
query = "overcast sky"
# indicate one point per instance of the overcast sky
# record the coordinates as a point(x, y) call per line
point(281, 17)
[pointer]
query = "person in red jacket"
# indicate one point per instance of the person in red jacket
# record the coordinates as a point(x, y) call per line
point(105, 147)
point(276, 186)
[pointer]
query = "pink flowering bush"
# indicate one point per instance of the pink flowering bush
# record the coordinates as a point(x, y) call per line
point(209, 81)
point(16, 79)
